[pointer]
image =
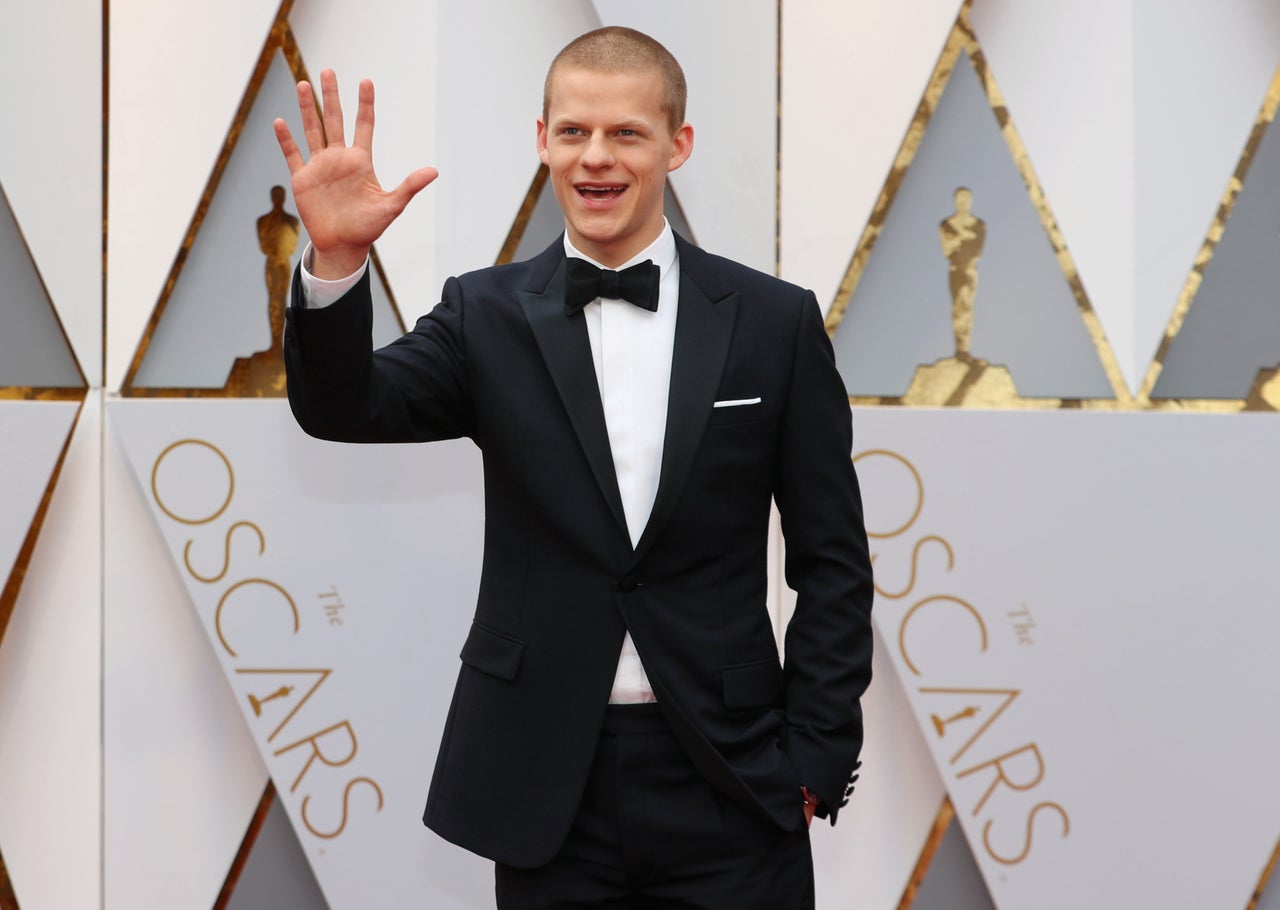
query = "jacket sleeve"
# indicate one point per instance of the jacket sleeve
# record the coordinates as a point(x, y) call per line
point(827, 660)
point(413, 390)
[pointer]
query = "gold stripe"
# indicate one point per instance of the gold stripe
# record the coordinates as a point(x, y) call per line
point(246, 847)
point(945, 816)
point(963, 40)
point(8, 900)
point(9, 595)
point(1262, 882)
point(521, 224)
point(1265, 117)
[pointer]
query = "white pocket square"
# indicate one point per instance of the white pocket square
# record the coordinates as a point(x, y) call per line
point(735, 402)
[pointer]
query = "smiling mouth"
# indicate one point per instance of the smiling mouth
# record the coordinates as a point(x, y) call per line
point(601, 192)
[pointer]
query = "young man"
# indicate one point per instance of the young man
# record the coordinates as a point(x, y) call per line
point(622, 733)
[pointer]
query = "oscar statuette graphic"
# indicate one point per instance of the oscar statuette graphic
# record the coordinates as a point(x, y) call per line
point(961, 379)
point(262, 375)
point(256, 703)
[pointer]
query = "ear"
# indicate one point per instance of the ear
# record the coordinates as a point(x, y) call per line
point(681, 147)
point(542, 142)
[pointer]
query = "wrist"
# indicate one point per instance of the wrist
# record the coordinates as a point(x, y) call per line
point(336, 264)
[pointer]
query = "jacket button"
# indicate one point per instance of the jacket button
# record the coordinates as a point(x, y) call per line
point(628, 584)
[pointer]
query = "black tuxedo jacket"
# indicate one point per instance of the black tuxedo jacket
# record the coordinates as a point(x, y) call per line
point(499, 361)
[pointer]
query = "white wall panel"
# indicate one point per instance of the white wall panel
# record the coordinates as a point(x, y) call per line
point(490, 101)
point(178, 74)
point(50, 773)
point(182, 776)
point(853, 74)
point(51, 64)
point(728, 188)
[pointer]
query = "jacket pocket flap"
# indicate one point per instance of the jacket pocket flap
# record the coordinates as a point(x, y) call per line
point(492, 652)
point(752, 685)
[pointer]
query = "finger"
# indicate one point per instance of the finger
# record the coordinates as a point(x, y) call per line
point(364, 117)
point(310, 119)
point(292, 156)
point(332, 109)
point(412, 185)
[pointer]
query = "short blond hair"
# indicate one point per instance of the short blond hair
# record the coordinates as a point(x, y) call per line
point(615, 49)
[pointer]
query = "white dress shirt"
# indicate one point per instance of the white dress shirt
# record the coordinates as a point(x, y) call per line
point(631, 349)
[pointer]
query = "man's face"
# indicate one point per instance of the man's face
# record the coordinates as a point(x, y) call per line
point(609, 147)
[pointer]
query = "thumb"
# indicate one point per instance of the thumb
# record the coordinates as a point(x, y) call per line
point(413, 184)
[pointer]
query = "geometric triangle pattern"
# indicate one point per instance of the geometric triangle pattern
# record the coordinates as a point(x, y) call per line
point(1046, 766)
point(33, 441)
point(272, 869)
point(1222, 346)
point(219, 325)
point(961, 291)
point(952, 880)
point(34, 352)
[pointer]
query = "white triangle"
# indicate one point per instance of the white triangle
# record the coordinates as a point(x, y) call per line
point(32, 437)
point(352, 558)
point(1131, 672)
point(50, 665)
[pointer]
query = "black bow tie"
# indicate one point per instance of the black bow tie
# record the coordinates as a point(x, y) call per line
point(584, 283)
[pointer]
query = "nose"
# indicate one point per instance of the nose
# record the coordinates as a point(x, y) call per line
point(597, 153)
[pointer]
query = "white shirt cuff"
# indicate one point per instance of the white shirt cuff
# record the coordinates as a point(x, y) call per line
point(318, 293)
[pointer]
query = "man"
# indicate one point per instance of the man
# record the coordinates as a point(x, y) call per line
point(621, 733)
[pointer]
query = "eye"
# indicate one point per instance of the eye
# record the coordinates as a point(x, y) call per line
point(570, 131)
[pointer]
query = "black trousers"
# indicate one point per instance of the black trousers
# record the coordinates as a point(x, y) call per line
point(651, 833)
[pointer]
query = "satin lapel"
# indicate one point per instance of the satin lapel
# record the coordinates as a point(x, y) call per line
point(703, 331)
point(565, 347)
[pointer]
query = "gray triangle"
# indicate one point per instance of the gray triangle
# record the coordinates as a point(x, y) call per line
point(33, 349)
point(953, 881)
point(1025, 315)
point(218, 310)
point(276, 874)
point(1232, 328)
point(546, 223)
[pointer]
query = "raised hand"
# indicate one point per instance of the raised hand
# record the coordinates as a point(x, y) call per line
point(338, 196)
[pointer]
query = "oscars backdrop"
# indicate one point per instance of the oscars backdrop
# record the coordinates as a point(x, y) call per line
point(1046, 240)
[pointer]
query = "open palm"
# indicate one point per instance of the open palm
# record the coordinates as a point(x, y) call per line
point(344, 207)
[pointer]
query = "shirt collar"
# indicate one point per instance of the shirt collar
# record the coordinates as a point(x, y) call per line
point(662, 251)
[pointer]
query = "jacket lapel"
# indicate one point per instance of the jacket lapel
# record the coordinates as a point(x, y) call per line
point(704, 328)
point(566, 349)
